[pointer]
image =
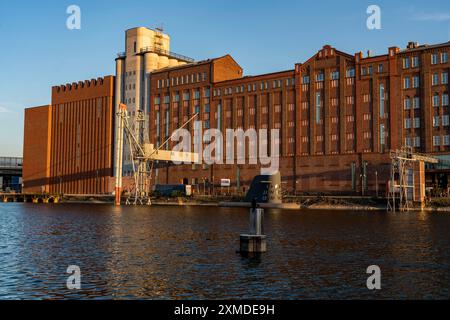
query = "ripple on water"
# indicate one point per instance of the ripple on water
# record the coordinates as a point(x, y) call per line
point(190, 253)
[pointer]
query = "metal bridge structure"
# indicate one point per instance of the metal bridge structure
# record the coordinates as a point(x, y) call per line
point(10, 173)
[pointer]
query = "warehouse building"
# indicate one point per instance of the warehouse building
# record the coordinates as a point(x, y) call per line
point(339, 116)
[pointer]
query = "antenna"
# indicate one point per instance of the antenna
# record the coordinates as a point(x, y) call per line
point(160, 27)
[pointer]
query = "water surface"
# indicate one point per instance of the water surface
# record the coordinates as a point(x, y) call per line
point(190, 253)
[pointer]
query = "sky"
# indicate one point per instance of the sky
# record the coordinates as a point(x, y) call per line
point(38, 51)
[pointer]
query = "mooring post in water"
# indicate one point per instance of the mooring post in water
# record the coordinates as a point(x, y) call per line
point(255, 241)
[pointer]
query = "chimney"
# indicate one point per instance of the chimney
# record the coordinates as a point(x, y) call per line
point(412, 45)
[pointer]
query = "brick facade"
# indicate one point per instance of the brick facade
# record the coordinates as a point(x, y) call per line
point(70, 143)
point(339, 115)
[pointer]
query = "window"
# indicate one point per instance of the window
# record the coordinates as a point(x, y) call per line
point(318, 105)
point(436, 100)
point(445, 120)
point(406, 83)
point(197, 109)
point(320, 77)
point(382, 137)
point(416, 103)
point(446, 140)
point(335, 75)
point(445, 100)
point(407, 123)
point(408, 142)
point(416, 141)
point(207, 108)
point(158, 124)
point(167, 124)
point(406, 63)
point(435, 79)
point(436, 121)
point(197, 94)
point(444, 78)
point(382, 100)
point(305, 80)
point(166, 99)
point(415, 62)
point(444, 57)
point(204, 76)
point(157, 100)
point(416, 123)
point(207, 92)
point(434, 58)
point(186, 96)
point(380, 68)
point(407, 103)
point(436, 141)
point(350, 73)
point(369, 69)
point(416, 81)
point(176, 97)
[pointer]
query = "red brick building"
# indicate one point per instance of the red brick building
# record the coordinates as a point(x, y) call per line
point(338, 115)
point(68, 146)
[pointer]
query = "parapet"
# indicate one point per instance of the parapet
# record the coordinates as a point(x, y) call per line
point(87, 89)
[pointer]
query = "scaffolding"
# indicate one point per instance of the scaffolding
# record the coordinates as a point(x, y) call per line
point(401, 185)
point(143, 156)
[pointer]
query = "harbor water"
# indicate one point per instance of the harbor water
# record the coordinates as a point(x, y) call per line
point(182, 252)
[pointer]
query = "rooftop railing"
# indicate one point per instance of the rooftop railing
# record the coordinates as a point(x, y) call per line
point(161, 52)
point(167, 53)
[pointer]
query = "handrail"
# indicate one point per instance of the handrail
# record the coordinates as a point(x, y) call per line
point(167, 53)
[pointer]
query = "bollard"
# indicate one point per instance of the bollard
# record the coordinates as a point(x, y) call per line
point(255, 241)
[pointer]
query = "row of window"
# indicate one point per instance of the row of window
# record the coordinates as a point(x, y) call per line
point(252, 87)
point(445, 121)
point(443, 58)
point(186, 79)
point(436, 58)
point(407, 62)
point(437, 140)
point(186, 96)
point(437, 100)
point(412, 141)
point(415, 122)
point(415, 82)
point(435, 78)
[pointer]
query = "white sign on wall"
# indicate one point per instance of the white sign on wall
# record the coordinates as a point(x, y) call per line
point(225, 182)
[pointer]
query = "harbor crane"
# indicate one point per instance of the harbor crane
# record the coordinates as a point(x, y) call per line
point(143, 156)
point(400, 184)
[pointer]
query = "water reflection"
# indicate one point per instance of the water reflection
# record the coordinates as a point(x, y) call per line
point(190, 253)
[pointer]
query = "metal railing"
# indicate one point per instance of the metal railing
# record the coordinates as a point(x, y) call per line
point(161, 52)
point(167, 53)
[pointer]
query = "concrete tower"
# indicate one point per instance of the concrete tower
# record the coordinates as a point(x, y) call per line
point(146, 50)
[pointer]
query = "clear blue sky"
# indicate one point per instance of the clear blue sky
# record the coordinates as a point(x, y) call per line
point(38, 51)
